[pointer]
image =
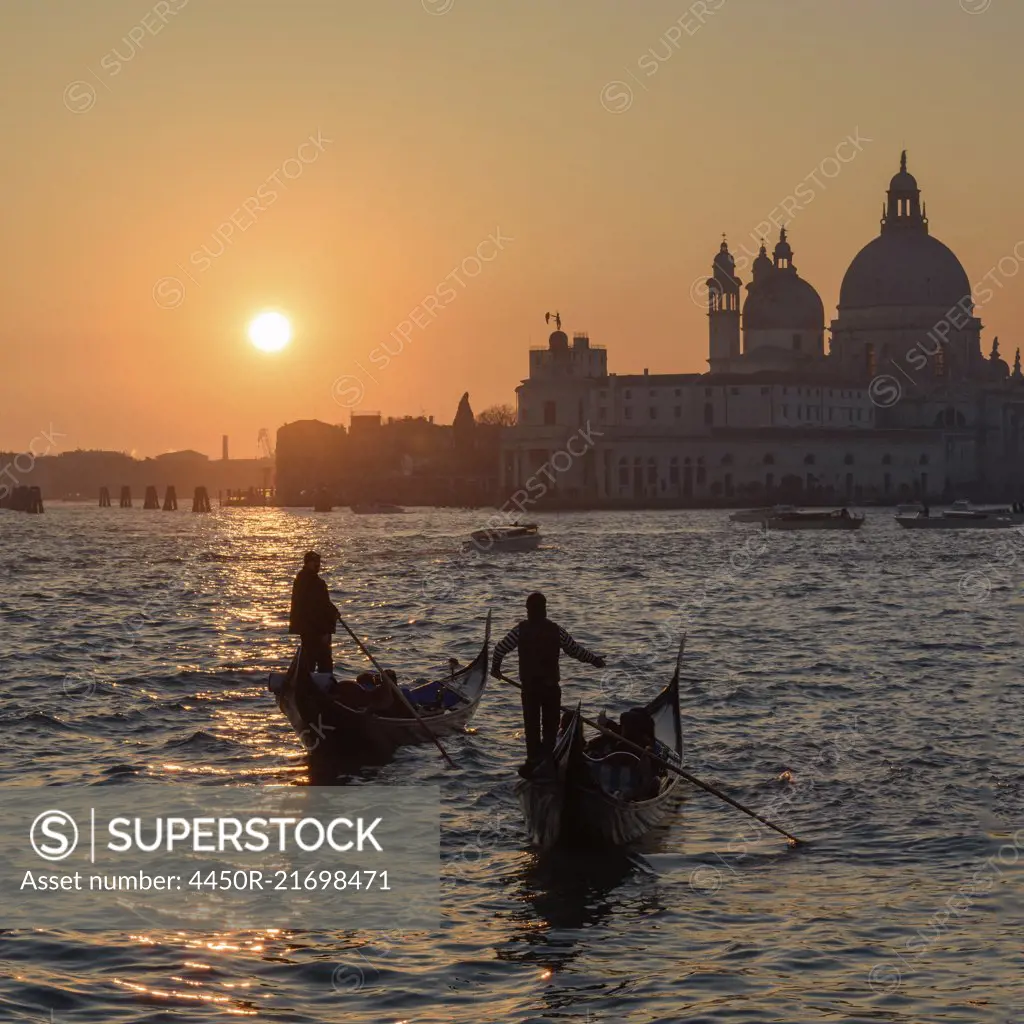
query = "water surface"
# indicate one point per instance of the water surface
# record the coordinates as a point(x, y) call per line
point(863, 689)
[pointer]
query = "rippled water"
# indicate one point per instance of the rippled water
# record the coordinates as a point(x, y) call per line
point(863, 689)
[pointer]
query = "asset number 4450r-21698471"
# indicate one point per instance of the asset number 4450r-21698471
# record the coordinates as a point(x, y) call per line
point(294, 881)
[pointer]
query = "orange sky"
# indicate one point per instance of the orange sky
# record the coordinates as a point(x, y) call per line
point(132, 132)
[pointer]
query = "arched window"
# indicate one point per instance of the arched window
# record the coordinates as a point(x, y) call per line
point(673, 471)
point(769, 460)
point(623, 472)
point(808, 460)
point(652, 473)
point(848, 461)
point(709, 414)
point(702, 473)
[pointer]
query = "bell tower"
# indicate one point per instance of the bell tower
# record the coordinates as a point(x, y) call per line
point(723, 311)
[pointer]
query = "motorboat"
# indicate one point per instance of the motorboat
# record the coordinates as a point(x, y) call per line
point(760, 515)
point(961, 519)
point(525, 537)
point(959, 508)
point(825, 519)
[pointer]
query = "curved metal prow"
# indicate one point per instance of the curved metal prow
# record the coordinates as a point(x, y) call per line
point(679, 659)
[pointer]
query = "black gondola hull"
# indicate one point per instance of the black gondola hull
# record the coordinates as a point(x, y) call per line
point(564, 806)
point(328, 728)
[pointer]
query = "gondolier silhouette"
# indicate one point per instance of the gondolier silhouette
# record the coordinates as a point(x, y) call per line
point(540, 641)
point(313, 616)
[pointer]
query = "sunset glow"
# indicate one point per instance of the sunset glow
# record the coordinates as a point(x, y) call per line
point(270, 332)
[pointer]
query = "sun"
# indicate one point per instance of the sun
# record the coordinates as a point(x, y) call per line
point(270, 332)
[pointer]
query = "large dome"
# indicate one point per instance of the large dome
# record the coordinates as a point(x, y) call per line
point(904, 268)
point(783, 301)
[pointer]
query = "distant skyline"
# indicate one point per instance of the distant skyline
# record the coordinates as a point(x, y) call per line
point(416, 182)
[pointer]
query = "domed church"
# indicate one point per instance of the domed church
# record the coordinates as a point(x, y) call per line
point(902, 405)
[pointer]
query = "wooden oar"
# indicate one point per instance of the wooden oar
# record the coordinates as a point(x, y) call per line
point(642, 751)
point(398, 692)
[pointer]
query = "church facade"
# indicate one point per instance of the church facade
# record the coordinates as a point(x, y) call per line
point(902, 404)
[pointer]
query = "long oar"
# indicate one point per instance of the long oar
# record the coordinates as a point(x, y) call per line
point(398, 692)
point(636, 748)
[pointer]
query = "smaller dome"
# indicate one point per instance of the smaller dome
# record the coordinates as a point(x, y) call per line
point(778, 298)
point(558, 340)
point(783, 301)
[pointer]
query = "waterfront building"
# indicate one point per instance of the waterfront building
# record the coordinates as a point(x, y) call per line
point(901, 405)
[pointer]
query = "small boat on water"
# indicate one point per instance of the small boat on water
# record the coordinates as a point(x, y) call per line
point(961, 519)
point(760, 515)
point(524, 537)
point(827, 519)
point(328, 726)
point(1005, 511)
point(579, 798)
point(378, 509)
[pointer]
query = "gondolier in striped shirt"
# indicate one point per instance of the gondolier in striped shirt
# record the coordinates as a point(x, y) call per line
point(540, 641)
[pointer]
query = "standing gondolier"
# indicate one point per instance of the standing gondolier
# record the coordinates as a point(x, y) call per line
point(540, 641)
point(313, 616)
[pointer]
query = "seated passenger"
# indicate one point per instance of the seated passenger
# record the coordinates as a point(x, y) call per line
point(367, 692)
point(637, 726)
point(641, 779)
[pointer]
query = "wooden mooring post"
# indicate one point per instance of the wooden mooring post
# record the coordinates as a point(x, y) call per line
point(171, 500)
point(104, 497)
point(24, 499)
point(201, 500)
point(152, 500)
point(126, 497)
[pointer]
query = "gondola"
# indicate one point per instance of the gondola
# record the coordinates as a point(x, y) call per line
point(574, 799)
point(329, 728)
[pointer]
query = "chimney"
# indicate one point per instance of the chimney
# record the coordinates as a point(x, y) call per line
point(645, 371)
point(224, 447)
